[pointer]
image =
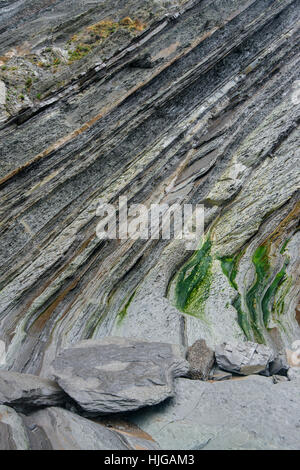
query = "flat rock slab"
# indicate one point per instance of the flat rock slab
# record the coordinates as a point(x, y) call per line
point(23, 391)
point(244, 358)
point(59, 429)
point(243, 413)
point(114, 375)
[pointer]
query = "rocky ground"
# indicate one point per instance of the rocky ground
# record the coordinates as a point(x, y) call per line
point(163, 102)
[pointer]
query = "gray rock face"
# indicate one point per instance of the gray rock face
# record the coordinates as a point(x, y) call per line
point(279, 366)
point(59, 429)
point(244, 358)
point(23, 391)
point(279, 378)
point(116, 374)
point(13, 432)
point(293, 373)
point(2, 93)
point(200, 118)
point(201, 359)
point(245, 413)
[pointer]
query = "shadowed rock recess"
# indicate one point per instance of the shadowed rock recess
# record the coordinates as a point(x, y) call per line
point(162, 102)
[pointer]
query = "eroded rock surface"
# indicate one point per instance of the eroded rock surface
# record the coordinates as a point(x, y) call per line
point(201, 359)
point(25, 391)
point(245, 413)
point(59, 429)
point(174, 102)
point(13, 432)
point(116, 374)
point(244, 358)
point(162, 102)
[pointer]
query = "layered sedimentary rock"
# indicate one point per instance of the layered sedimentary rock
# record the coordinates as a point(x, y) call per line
point(193, 102)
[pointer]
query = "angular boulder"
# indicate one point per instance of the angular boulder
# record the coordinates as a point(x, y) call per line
point(201, 359)
point(114, 375)
point(26, 391)
point(58, 429)
point(244, 358)
point(279, 366)
point(13, 432)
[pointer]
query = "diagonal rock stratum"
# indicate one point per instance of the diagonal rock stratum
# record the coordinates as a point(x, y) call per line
point(195, 102)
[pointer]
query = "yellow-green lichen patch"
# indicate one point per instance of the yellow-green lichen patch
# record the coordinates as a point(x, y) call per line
point(94, 35)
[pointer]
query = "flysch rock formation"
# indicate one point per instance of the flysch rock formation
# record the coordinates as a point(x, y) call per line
point(188, 102)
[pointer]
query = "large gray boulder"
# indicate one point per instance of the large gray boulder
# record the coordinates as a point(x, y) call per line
point(25, 391)
point(113, 374)
point(13, 432)
point(201, 359)
point(244, 358)
point(243, 413)
point(59, 429)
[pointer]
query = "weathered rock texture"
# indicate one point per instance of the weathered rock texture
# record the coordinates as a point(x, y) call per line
point(58, 429)
point(186, 101)
point(116, 375)
point(23, 391)
point(245, 413)
point(201, 359)
point(13, 433)
point(244, 358)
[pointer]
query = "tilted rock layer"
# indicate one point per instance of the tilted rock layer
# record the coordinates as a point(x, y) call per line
point(196, 102)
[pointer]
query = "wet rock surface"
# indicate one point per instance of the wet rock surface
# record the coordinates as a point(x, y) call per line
point(117, 375)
